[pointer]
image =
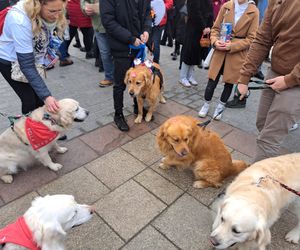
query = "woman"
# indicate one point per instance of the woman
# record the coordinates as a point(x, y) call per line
point(27, 34)
point(200, 18)
point(229, 56)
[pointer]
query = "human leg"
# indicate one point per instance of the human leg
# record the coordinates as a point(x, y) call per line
point(156, 35)
point(88, 35)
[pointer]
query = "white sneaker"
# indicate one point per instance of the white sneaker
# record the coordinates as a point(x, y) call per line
point(294, 127)
point(193, 81)
point(204, 110)
point(185, 82)
point(217, 114)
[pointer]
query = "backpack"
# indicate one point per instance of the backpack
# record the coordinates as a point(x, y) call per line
point(3, 14)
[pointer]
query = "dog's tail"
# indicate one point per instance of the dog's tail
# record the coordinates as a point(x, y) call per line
point(238, 166)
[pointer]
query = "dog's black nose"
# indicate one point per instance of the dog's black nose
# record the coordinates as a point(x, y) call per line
point(87, 112)
point(131, 93)
point(214, 241)
point(183, 152)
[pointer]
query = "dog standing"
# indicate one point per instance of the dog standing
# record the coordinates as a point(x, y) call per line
point(30, 138)
point(44, 224)
point(186, 145)
point(145, 84)
point(254, 202)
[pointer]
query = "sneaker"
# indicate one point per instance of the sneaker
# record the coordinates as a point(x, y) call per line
point(294, 127)
point(105, 83)
point(62, 138)
point(220, 108)
point(204, 110)
point(121, 123)
point(236, 103)
point(193, 81)
point(185, 82)
point(66, 62)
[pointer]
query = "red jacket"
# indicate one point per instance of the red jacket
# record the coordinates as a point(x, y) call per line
point(169, 5)
point(77, 18)
point(18, 233)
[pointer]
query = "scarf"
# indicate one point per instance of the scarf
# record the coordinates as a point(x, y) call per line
point(38, 134)
point(18, 233)
point(239, 10)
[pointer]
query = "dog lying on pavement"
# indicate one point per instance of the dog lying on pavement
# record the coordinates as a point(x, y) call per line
point(30, 138)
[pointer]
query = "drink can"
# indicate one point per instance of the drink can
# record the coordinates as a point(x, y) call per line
point(226, 30)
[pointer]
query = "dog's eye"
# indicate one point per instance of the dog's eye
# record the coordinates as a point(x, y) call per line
point(234, 230)
point(176, 140)
point(185, 139)
point(77, 109)
point(138, 83)
point(222, 219)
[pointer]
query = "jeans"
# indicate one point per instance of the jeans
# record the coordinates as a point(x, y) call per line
point(156, 37)
point(187, 71)
point(106, 56)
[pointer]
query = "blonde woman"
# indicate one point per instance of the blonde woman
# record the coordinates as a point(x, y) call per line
point(26, 38)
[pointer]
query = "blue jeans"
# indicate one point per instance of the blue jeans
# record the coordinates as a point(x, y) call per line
point(106, 56)
point(156, 37)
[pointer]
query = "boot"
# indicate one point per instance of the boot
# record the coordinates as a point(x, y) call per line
point(236, 103)
point(120, 121)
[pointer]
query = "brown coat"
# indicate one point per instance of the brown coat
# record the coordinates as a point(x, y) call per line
point(246, 27)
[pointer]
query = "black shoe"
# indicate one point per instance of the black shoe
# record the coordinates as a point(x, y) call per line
point(62, 138)
point(236, 103)
point(174, 58)
point(121, 122)
point(89, 55)
point(101, 69)
point(260, 75)
point(82, 49)
point(170, 45)
point(77, 45)
point(163, 43)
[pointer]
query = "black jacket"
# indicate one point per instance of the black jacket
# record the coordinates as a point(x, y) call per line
point(118, 21)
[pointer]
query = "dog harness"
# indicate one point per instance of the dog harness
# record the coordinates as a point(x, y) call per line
point(18, 233)
point(38, 134)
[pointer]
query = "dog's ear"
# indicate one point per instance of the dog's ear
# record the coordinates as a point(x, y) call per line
point(161, 139)
point(127, 75)
point(66, 118)
point(147, 79)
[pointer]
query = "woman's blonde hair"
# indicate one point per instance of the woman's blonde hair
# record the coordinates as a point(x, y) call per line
point(33, 10)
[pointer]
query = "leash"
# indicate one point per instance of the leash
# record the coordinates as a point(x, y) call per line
point(278, 182)
point(263, 85)
point(204, 124)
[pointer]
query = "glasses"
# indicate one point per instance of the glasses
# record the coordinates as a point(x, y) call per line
point(54, 11)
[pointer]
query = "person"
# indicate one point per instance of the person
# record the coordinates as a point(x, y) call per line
point(167, 37)
point(126, 23)
point(91, 8)
point(158, 26)
point(279, 106)
point(27, 34)
point(200, 19)
point(229, 56)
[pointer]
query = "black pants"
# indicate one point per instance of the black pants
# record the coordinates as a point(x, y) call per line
point(88, 34)
point(211, 86)
point(121, 64)
point(29, 98)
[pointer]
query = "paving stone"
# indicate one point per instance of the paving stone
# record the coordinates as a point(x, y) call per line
point(106, 139)
point(26, 181)
point(115, 168)
point(1, 202)
point(172, 108)
point(93, 235)
point(159, 186)
point(239, 156)
point(241, 141)
point(125, 211)
point(77, 155)
point(187, 223)
point(85, 187)
point(220, 128)
point(11, 211)
point(149, 239)
point(182, 179)
point(144, 148)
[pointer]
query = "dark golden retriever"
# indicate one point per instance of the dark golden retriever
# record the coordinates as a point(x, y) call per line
point(186, 145)
point(145, 85)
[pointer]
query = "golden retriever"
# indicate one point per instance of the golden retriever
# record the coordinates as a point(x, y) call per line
point(145, 85)
point(252, 205)
point(47, 221)
point(186, 145)
point(15, 148)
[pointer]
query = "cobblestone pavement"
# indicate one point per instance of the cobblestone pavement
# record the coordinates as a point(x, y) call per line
point(138, 205)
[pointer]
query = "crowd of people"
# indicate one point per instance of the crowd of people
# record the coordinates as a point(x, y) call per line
point(115, 32)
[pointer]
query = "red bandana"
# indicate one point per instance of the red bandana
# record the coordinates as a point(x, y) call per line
point(18, 233)
point(38, 134)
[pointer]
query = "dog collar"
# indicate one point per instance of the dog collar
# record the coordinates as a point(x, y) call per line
point(18, 233)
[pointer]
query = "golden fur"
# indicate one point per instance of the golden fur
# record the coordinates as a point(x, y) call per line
point(142, 86)
point(252, 207)
point(185, 145)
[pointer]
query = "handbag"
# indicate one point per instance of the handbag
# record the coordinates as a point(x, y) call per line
point(205, 41)
point(17, 74)
point(207, 60)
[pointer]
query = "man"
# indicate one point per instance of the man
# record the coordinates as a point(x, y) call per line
point(279, 106)
point(127, 22)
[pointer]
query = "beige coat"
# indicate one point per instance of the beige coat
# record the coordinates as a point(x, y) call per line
point(245, 29)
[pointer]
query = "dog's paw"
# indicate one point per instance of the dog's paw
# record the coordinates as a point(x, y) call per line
point(162, 100)
point(55, 166)
point(164, 166)
point(293, 236)
point(199, 184)
point(148, 117)
point(138, 119)
point(7, 178)
point(61, 150)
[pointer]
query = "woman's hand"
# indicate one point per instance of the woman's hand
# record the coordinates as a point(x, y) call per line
point(206, 31)
point(243, 90)
point(51, 104)
point(228, 45)
point(220, 45)
point(144, 37)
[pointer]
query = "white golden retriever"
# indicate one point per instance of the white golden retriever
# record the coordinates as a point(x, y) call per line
point(15, 149)
point(250, 206)
point(48, 219)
